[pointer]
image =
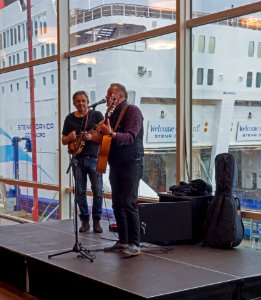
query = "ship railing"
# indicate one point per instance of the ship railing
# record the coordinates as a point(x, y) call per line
point(78, 16)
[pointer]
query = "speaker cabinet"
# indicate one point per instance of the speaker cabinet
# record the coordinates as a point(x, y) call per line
point(198, 207)
point(165, 222)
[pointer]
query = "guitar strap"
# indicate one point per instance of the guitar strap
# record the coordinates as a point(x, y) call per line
point(86, 122)
point(122, 113)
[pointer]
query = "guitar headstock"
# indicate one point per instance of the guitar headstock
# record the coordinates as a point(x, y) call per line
point(111, 107)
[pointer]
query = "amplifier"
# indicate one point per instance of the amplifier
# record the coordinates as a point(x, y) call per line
point(165, 222)
point(198, 206)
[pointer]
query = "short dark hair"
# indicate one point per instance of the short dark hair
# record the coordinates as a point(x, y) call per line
point(122, 88)
point(80, 93)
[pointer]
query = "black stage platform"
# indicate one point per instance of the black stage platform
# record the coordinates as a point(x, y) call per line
point(173, 272)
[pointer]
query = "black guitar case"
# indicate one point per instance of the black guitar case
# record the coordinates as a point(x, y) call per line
point(223, 227)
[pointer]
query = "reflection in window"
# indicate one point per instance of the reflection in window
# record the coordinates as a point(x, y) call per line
point(131, 97)
point(201, 44)
point(249, 79)
point(89, 72)
point(251, 48)
point(258, 79)
point(200, 76)
point(212, 44)
point(74, 75)
point(92, 96)
point(259, 50)
point(210, 78)
point(25, 56)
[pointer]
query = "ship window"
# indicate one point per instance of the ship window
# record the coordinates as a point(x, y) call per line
point(44, 80)
point(13, 59)
point(3, 62)
point(212, 44)
point(34, 83)
point(1, 42)
point(89, 72)
point(45, 26)
point(17, 86)
point(11, 37)
point(7, 39)
point(26, 84)
point(35, 28)
point(25, 56)
point(19, 33)
point(201, 43)
point(249, 79)
point(35, 56)
point(52, 79)
point(26, 29)
point(92, 96)
point(251, 48)
point(47, 50)
point(210, 76)
point(41, 27)
point(53, 49)
point(258, 79)
point(10, 61)
point(74, 75)
point(15, 36)
point(11, 88)
point(193, 42)
point(131, 97)
point(200, 76)
point(3, 89)
point(42, 51)
point(17, 58)
point(259, 50)
point(4, 36)
point(23, 32)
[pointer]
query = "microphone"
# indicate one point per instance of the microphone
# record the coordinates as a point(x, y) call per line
point(97, 103)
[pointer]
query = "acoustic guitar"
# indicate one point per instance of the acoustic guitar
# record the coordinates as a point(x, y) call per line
point(105, 145)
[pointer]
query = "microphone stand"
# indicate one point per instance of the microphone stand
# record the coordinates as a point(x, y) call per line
point(77, 248)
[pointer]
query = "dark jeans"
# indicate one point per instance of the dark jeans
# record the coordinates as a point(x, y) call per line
point(84, 167)
point(124, 180)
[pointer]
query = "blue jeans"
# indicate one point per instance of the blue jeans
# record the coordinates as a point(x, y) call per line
point(84, 167)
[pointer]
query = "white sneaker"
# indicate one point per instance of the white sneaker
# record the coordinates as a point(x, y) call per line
point(132, 250)
point(118, 246)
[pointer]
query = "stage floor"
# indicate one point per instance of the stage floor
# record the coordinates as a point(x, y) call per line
point(160, 272)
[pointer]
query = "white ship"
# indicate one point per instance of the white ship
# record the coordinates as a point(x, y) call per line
point(226, 100)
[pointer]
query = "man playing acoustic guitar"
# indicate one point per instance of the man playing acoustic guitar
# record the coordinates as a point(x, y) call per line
point(77, 134)
point(125, 126)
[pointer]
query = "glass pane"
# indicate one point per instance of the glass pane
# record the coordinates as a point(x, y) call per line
point(201, 7)
point(29, 124)
point(29, 203)
point(19, 42)
point(151, 86)
point(225, 115)
point(99, 21)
